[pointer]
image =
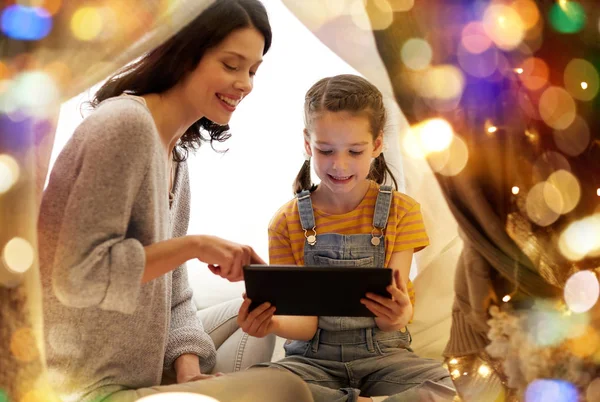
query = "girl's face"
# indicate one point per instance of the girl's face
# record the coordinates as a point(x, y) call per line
point(342, 147)
point(224, 76)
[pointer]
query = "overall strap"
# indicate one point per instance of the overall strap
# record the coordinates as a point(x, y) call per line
point(382, 207)
point(307, 216)
point(382, 211)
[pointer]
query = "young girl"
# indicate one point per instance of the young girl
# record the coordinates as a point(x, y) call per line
point(350, 219)
point(118, 308)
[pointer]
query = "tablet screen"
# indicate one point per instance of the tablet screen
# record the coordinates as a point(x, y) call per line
point(315, 291)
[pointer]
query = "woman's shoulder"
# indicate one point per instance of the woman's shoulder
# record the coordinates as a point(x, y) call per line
point(119, 119)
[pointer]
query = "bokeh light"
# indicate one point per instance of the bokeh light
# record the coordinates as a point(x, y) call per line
point(557, 108)
point(562, 192)
point(52, 6)
point(41, 394)
point(430, 136)
point(581, 238)
point(548, 163)
point(25, 23)
point(581, 79)
point(547, 327)
point(567, 17)
point(581, 291)
point(23, 345)
point(18, 255)
point(574, 139)
point(585, 344)
point(536, 207)
point(545, 390)
point(592, 392)
point(177, 397)
point(416, 54)
point(442, 82)
point(515, 190)
point(18, 96)
point(401, 5)
point(535, 73)
point(479, 65)
point(87, 23)
point(456, 160)
point(474, 39)
point(528, 12)
point(372, 14)
point(9, 172)
point(504, 26)
point(3, 396)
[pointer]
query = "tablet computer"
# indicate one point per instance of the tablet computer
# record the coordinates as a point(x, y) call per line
point(310, 290)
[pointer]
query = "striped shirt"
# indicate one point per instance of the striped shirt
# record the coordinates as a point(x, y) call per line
point(405, 228)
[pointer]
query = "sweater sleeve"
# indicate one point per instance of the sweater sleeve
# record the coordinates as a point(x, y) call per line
point(186, 333)
point(95, 264)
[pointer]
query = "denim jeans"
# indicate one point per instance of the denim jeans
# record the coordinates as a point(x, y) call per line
point(341, 365)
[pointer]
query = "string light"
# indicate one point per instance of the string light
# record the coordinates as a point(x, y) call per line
point(518, 70)
point(584, 85)
point(506, 298)
point(492, 129)
point(598, 192)
point(515, 190)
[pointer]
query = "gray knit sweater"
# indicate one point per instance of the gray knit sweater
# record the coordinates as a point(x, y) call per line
point(107, 198)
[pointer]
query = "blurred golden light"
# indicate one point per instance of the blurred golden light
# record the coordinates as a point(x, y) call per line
point(428, 137)
point(592, 392)
point(548, 163)
point(598, 192)
point(581, 291)
point(442, 82)
point(474, 39)
point(484, 370)
point(5, 71)
point(455, 373)
point(536, 208)
point(177, 397)
point(52, 6)
point(416, 54)
point(9, 172)
point(453, 361)
point(23, 345)
point(557, 108)
point(586, 343)
point(492, 129)
point(515, 190)
point(335, 8)
point(372, 14)
point(401, 5)
point(528, 11)
point(581, 238)
point(569, 191)
point(506, 298)
point(535, 73)
point(37, 395)
point(456, 160)
point(86, 23)
point(581, 79)
point(519, 70)
point(574, 139)
point(504, 26)
point(18, 255)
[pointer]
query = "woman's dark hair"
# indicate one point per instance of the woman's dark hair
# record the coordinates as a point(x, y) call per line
point(162, 68)
point(345, 93)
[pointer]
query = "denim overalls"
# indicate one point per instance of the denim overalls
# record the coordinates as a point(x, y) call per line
point(349, 356)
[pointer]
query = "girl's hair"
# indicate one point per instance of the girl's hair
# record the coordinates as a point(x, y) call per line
point(162, 68)
point(345, 93)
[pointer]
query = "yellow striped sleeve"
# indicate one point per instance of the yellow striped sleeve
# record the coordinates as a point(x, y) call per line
point(280, 248)
point(410, 231)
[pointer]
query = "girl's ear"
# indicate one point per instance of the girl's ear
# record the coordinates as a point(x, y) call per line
point(307, 147)
point(378, 143)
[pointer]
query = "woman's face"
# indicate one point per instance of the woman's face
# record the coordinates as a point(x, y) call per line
point(224, 76)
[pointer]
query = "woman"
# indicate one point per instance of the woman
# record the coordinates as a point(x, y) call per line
point(113, 220)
